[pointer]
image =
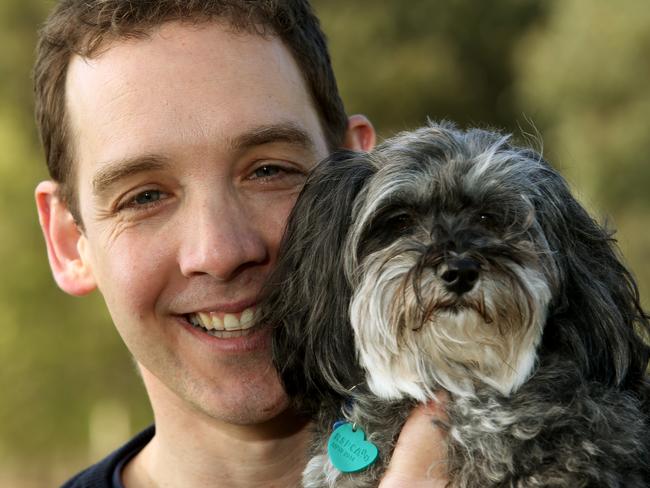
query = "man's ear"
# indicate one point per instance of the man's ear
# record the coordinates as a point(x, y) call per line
point(360, 135)
point(66, 243)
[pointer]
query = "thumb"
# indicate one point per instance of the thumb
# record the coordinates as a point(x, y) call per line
point(420, 456)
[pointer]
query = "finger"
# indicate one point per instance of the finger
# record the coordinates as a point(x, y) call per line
point(420, 456)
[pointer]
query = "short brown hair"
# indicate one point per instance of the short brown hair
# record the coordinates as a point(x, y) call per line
point(82, 27)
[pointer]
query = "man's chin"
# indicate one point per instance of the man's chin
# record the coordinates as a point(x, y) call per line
point(247, 409)
point(245, 395)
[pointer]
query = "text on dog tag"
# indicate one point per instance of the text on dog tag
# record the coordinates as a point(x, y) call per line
point(349, 450)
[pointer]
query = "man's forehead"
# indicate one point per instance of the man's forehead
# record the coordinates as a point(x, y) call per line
point(168, 49)
point(177, 74)
point(208, 37)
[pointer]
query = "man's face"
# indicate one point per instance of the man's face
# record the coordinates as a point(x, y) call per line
point(190, 149)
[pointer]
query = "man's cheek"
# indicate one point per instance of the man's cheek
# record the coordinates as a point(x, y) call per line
point(276, 222)
point(132, 278)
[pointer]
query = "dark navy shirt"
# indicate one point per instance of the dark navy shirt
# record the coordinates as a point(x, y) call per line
point(108, 472)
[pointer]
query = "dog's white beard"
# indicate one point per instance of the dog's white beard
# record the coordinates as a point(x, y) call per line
point(406, 354)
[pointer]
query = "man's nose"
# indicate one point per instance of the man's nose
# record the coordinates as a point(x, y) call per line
point(220, 239)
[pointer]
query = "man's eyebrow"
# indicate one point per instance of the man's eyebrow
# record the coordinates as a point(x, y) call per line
point(114, 171)
point(287, 132)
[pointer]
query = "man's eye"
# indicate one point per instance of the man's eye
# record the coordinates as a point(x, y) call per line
point(267, 171)
point(271, 176)
point(143, 200)
point(148, 196)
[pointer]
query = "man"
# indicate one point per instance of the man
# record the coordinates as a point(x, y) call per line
point(178, 135)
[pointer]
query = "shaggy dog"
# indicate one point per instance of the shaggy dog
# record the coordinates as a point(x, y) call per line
point(454, 260)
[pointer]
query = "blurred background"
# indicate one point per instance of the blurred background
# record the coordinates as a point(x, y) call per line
point(575, 73)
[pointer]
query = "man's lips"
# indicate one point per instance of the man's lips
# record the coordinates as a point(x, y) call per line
point(223, 321)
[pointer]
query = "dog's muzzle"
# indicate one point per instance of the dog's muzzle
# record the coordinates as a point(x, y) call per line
point(460, 274)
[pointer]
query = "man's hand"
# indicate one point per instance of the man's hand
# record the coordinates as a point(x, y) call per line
point(420, 457)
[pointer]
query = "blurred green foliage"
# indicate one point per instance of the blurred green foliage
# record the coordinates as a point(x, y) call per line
point(573, 71)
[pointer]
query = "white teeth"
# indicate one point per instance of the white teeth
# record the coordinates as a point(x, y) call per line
point(217, 323)
point(206, 320)
point(229, 322)
point(246, 318)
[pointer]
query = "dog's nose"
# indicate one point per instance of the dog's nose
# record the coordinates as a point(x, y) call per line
point(461, 275)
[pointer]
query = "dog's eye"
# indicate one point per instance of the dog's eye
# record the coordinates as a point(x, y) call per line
point(487, 220)
point(385, 229)
point(400, 223)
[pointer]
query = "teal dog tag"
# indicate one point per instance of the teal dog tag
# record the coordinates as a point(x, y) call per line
point(349, 450)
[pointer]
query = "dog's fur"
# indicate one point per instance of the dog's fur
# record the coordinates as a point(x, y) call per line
point(455, 260)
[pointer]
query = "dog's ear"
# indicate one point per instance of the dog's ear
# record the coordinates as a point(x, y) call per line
point(597, 316)
point(307, 296)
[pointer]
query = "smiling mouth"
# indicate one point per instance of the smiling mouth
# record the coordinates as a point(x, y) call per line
point(224, 325)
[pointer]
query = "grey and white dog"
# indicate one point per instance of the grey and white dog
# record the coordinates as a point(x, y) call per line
point(454, 260)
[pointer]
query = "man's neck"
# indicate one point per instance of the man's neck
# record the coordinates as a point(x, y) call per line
point(190, 449)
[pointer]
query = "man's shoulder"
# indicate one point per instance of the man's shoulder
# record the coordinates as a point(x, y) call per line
point(100, 475)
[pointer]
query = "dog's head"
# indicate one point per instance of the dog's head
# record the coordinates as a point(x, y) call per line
point(442, 259)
